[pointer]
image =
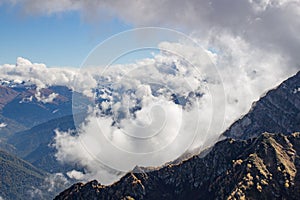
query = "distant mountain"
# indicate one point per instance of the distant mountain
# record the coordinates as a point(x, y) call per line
point(29, 116)
point(30, 111)
point(18, 178)
point(278, 111)
point(29, 106)
point(7, 95)
point(262, 168)
point(34, 145)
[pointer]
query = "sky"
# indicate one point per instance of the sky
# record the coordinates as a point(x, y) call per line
point(62, 33)
point(63, 39)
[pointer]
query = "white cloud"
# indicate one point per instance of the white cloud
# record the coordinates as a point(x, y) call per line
point(107, 142)
point(42, 76)
point(145, 88)
point(45, 99)
point(272, 25)
point(52, 185)
point(75, 175)
point(3, 125)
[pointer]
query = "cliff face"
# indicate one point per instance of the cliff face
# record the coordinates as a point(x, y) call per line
point(260, 168)
point(277, 112)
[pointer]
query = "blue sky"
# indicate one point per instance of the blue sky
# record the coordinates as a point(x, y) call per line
point(57, 40)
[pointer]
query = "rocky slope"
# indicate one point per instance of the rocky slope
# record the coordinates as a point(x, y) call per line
point(266, 167)
point(278, 112)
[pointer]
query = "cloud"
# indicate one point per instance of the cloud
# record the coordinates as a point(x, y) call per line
point(45, 99)
point(55, 182)
point(42, 76)
point(269, 24)
point(75, 175)
point(3, 125)
point(177, 96)
point(52, 185)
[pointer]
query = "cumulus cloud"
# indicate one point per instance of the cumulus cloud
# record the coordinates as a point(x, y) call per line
point(40, 75)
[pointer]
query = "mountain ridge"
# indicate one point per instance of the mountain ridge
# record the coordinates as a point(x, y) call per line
point(252, 165)
point(232, 169)
point(278, 111)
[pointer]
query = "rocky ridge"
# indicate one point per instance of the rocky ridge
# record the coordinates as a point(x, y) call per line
point(278, 111)
point(266, 167)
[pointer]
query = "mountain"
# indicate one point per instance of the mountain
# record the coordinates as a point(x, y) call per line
point(266, 167)
point(29, 116)
point(35, 145)
point(27, 105)
point(7, 95)
point(36, 106)
point(249, 165)
point(23, 106)
point(278, 111)
point(18, 177)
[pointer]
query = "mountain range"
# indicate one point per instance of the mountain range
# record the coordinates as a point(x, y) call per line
point(259, 159)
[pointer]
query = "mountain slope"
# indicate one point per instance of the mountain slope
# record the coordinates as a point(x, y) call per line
point(277, 112)
point(7, 94)
point(18, 177)
point(34, 145)
point(266, 167)
point(35, 108)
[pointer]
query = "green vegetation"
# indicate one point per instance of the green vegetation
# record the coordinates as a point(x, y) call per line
point(18, 178)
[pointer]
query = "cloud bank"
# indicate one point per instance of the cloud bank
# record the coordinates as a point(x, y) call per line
point(166, 95)
point(42, 76)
